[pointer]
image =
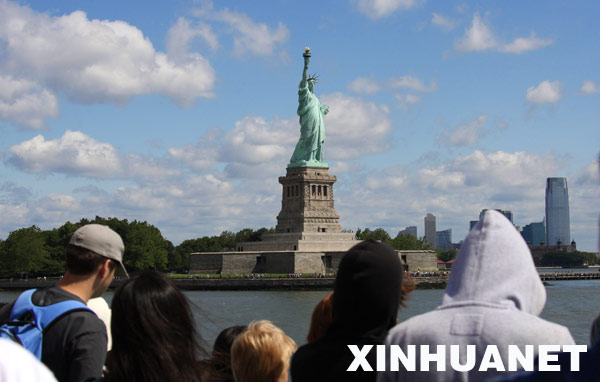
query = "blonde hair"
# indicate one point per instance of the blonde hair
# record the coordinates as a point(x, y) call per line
point(261, 353)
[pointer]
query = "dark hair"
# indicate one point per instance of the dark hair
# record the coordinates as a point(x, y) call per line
point(82, 261)
point(221, 354)
point(153, 331)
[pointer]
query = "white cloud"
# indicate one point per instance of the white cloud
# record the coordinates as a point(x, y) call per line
point(24, 102)
point(250, 36)
point(414, 83)
point(146, 168)
point(77, 154)
point(590, 175)
point(364, 85)
point(545, 92)
point(199, 157)
point(441, 179)
point(589, 87)
point(499, 169)
point(525, 44)
point(377, 9)
point(465, 134)
point(443, 22)
point(406, 100)
point(479, 37)
point(354, 127)
point(14, 216)
point(56, 202)
point(254, 141)
point(74, 153)
point(182, 33)
point(341, 167)
point(99, 60)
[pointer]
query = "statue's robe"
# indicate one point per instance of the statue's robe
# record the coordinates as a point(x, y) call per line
point(309, 148)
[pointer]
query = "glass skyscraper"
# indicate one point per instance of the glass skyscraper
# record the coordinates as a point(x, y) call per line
point(411, 230)
point(534, 233)
point(558, 226)
point(443, 239)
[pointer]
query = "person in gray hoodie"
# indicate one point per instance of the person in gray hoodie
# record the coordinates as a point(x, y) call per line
point(494, 297)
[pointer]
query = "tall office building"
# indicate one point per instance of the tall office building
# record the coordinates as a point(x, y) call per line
point(410, 230)
point(534, 233)
point(444, 239)
point(430, 232)
point(558, 226)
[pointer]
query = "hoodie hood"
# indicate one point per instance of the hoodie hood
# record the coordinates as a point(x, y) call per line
point(367, 292)
point(495, 266)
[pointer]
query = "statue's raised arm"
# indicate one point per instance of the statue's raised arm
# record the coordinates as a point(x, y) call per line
point(309, 149)
point(306, 56)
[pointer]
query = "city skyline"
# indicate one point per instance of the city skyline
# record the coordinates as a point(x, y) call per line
point(183, 114)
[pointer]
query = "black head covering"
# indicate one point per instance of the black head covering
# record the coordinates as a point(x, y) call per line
point(367, 292)
point(366, 298)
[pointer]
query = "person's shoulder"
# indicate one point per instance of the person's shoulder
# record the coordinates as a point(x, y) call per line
point(53, 295)
point(18, 364)
point(84, 319)
point(424, 321)
point(308, 356)
point(554, 332)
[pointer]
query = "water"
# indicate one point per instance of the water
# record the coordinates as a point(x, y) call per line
point(574, 304)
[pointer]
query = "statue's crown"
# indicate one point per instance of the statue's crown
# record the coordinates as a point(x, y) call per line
point(313, 77)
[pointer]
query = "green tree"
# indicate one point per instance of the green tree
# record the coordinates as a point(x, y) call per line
point(145, 247)
point(572, 259)
point(406, 242)
point(3, 267)
point(227, 241)
point(379, 234)
point(447, 255)
point(25, 252)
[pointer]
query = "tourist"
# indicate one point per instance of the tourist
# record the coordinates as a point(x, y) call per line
point(321, 318)
point(74, 346)
point(218, 368)
point(154, 336)
point(261, 353)
point(494, 297)
point(366, 298)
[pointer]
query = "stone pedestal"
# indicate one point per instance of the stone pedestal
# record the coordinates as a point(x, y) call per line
point(307, 201)
point(308, 221)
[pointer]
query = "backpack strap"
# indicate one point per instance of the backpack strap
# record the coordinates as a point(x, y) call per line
point(43, 315)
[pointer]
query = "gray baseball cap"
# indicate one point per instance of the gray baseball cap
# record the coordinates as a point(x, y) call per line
point(102, 240)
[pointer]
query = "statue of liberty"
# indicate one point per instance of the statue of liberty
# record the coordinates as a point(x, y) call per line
point(309, 149)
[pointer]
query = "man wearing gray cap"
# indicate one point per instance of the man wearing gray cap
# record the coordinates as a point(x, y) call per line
point(74, 344)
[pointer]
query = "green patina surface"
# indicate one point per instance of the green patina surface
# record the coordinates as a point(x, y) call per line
point(309, 149)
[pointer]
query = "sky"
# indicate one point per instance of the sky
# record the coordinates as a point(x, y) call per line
point(183, 113)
